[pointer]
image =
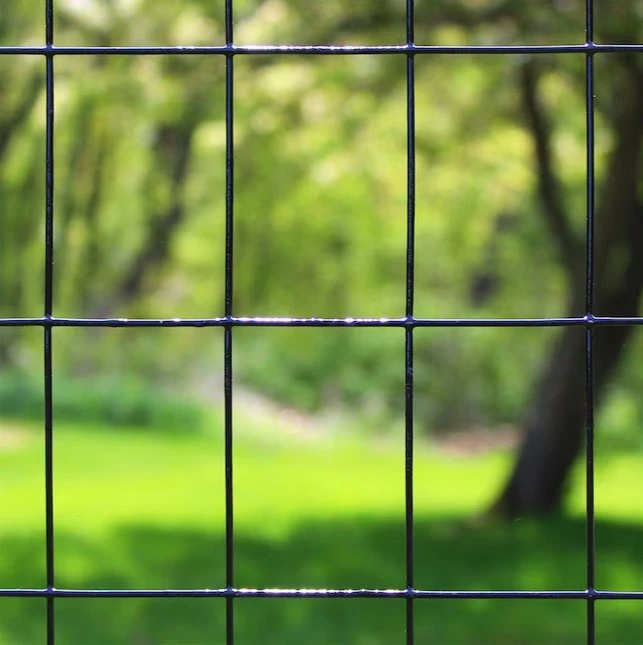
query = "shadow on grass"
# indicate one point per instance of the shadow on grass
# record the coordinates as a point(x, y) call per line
point(364, 552)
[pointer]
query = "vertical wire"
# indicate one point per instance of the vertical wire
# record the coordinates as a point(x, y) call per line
point(410, 293)
point(227, 342)
point(408, 459)
point(589, 330)
point(48, 309)
point(229, 518)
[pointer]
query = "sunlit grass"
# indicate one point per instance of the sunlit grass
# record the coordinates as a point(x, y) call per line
point(140, 474)
point(142, 509)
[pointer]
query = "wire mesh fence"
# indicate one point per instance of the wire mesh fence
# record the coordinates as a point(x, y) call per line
point(407, 323)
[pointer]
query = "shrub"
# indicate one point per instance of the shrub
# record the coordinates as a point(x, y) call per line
point(114, 401)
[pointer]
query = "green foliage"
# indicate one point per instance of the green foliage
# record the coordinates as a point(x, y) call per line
point(476, 377)
point(320, 201)
point(463, 378)
point(621, 417)
point(315, 369)
point(117, 402)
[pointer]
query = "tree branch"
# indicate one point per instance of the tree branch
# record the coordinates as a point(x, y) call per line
point(11, 121)
point(172, 148)
point(427, 14)
point(617, 207)
point(549, 189)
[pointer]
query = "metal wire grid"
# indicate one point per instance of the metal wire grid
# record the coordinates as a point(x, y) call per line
point(409, 322)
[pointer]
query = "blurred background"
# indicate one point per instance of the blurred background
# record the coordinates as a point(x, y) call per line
point(320, 230)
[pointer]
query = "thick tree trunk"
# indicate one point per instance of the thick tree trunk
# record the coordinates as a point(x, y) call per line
point(555, 424)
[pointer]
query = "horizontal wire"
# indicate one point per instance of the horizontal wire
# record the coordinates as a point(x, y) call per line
point(323, 50)
point(320, 593)
point(267, 321)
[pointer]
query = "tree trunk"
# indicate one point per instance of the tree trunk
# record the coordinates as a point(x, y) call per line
point(172, 147)
point(555, 424)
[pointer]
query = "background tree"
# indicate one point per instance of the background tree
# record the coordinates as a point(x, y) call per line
point(554, 424)
point(320, 202)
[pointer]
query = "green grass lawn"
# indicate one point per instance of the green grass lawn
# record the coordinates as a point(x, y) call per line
point(142, 510)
